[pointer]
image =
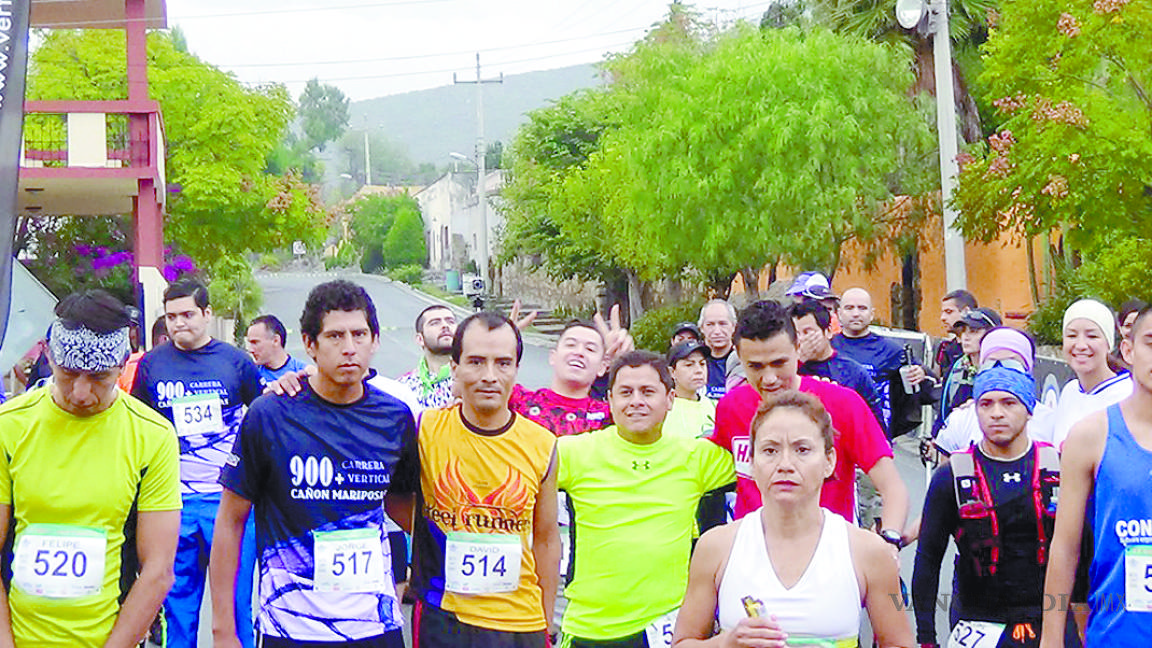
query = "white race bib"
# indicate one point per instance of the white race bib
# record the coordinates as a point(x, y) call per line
point(482, 563)
point(742, 456)
point(659, 632)
point(1138, 578)
point(197, 414)
point(975, 634)
point(59, 560)
point(355, 560)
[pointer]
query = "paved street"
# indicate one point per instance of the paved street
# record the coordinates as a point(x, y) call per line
point(397, 306)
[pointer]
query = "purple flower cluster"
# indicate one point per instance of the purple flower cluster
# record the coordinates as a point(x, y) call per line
point(180, 265)
point(104, 260)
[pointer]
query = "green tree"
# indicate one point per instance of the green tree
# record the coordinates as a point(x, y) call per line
point(687, 174)
point(219, 134)
point(405, 243)
point(373, 218)
point(235, 293)
point(323, 113)
point(1075, 153)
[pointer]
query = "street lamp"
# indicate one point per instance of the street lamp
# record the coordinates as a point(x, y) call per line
point(910, 13)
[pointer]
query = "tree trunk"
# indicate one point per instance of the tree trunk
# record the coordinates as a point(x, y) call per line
point(751, 278)
point(967, 114)
point(635, 297)
point(1032, 273)
point(720, 285)
point(674, 290)
point(616, 292)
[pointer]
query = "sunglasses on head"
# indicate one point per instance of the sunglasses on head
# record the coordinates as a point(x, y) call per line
point(1007, 363)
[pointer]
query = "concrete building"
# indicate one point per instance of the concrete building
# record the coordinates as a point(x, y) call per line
point(451, 211)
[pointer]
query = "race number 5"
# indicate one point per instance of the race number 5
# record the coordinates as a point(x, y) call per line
point(659, 632)
point(1138, 578)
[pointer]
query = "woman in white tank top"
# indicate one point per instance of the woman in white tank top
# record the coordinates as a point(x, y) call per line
point(791, 573)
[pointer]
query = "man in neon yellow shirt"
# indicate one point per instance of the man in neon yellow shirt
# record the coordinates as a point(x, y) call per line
point(89, 477)
point(634, 491)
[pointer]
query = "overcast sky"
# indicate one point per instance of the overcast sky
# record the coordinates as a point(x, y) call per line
point(370, 49)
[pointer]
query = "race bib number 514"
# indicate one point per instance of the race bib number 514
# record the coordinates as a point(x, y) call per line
point(482, 563)
point(59, 560)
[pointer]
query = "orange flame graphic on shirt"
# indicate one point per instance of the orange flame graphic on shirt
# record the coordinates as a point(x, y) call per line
point(504, 510)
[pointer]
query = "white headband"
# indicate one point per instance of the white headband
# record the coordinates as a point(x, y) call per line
point(1094, 312)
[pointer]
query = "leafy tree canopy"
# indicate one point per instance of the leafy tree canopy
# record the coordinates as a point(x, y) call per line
point(719, 153)
point(219, 134)
point(323, 113)
point(1072, 80)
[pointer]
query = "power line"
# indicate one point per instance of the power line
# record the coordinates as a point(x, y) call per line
point(409, 57)
point(501, 48)
point(392, 75)
point(79, 24)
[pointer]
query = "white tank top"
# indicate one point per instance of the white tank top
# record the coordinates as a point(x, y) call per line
point(823, 605)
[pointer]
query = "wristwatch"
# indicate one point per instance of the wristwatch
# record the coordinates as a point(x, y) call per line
point(893, 537)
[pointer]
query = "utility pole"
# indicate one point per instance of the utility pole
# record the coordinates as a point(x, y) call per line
point(367, 159)
point(481, 163)
point(955, 271)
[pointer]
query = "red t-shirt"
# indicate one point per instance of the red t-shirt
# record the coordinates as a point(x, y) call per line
point(859, 442)
point(561, 415)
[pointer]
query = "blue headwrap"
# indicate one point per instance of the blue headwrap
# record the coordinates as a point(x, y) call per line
point(998, 378)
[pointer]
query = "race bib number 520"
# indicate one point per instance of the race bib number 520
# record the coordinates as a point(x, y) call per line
point(1138, 578)
point(59, 560)
point(482, 563)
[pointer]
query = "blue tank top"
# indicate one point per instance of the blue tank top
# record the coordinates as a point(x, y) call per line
point(1121, 506)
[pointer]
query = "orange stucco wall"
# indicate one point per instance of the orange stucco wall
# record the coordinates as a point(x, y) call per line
point(997, 275)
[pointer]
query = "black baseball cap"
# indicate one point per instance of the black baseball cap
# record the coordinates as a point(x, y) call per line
point(687, 326)
point(683, 350)
point(980, 318)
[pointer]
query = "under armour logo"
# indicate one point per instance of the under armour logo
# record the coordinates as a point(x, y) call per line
point(1011, 477)
point(640, 465)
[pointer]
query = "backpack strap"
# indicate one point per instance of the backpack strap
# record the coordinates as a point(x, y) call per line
point(964, 478)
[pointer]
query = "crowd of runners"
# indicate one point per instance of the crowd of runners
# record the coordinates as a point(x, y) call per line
point(738, 488)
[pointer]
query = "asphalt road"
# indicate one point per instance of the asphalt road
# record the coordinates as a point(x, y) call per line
point(397, 306)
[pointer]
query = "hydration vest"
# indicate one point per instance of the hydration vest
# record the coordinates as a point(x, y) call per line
point(979, 528)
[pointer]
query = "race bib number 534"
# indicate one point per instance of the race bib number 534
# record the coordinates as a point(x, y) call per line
point(198, 414)
point(59, 560)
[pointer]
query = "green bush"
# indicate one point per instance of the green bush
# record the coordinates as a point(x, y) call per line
point(653, 330)
point(410, 274)
point(344, 258)
point(269, 262)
